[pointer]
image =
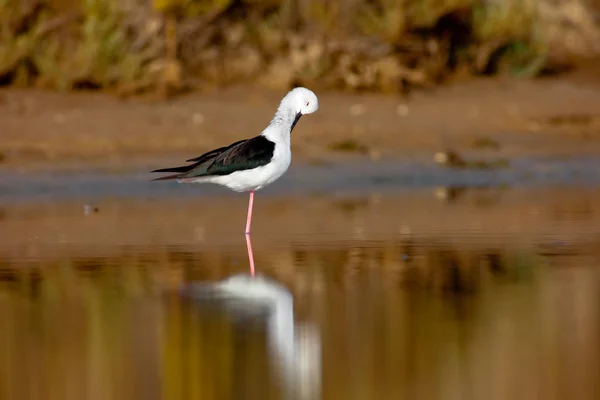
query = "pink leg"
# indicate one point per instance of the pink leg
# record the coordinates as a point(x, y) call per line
point(248, 242)
point(249, 220)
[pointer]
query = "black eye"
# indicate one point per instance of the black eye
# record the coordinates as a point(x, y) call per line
point(308, 102)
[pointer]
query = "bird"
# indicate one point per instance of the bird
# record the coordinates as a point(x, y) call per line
point(251, 164)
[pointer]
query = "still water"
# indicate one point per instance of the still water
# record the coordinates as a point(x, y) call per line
point(425, 294)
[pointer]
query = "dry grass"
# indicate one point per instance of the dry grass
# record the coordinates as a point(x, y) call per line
point(384, 45)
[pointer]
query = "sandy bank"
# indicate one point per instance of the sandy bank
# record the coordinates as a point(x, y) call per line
point(488, 118)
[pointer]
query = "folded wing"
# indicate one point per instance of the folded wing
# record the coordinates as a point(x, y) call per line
point(239, 156)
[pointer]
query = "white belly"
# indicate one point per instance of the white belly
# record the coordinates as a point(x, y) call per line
point(252, 179)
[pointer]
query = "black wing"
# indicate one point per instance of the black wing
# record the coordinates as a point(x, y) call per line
point(241, 155)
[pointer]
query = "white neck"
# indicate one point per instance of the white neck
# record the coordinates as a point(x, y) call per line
point(280, 127)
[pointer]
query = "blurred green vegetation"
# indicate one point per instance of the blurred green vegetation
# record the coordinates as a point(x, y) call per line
point(384, 45)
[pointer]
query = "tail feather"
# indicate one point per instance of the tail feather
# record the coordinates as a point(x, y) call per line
point(181, 169)
point(178, 170)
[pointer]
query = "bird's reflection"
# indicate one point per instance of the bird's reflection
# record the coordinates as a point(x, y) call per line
point(296, 350)
point(250, 254)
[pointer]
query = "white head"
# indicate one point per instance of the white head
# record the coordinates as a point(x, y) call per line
point(295, 104)
point(301, 100)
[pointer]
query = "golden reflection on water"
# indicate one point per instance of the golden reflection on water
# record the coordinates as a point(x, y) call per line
point(530, 331)
point(420, 316)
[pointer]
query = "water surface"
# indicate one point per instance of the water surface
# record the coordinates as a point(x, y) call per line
point(422, 293)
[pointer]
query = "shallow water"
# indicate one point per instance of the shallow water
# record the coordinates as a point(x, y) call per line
point(419, 293)
point(356, 178)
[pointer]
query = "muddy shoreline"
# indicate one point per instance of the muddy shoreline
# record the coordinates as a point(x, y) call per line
point(488, 119)
point(63, 152)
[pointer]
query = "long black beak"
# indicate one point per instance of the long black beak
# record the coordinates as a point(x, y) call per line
point(295, 121)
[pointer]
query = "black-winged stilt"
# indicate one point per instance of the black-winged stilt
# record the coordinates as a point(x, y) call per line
point(251, 164)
